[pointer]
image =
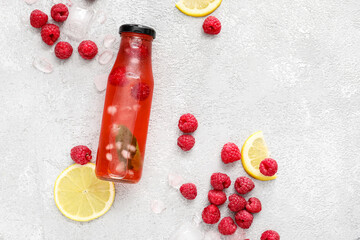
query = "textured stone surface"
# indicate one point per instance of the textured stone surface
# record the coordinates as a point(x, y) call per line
point(289, 68)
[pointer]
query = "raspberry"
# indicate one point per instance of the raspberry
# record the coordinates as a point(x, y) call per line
point(87, 49)
point(268, 167)
point(63, 50)
point(140, 91)
point(118, 77)
point(236, 203)
point(230, 153)
point(81, 154)
point(216, 197)
point(270, 235)
point(188, 123)
point(244, 219)
point(253, 205)
point(212, 25)
point(220, 181)
point(211, 214)
point(227, 226)
point(50, 33)
point(59, 12)
point(186, 142)
point(244, 185)
point(38, 18)
point(188, 190)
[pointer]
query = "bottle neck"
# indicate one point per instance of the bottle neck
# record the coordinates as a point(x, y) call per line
point(136, 48)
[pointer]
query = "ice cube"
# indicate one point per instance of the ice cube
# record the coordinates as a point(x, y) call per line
point(132, 76)
point(134, 60)
point(118, 145)
point(175, 180)
point(109, 146)
point(157, 206)
point(100, 82)
point(212, 235)
point(109, 41)
point(111, 110)
point(77, 24)
point(126, 154)
point(135, 42)
point(30, 2)
point(136, 107)
point(105, 57)
point(109, 156)
point(43, 64)
point(188, 232)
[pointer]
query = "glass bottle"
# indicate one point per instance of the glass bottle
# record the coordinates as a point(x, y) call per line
point(124, 127)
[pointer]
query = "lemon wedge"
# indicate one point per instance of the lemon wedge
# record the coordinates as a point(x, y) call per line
point(80, 196)
point(198, 8)
point(253, 152)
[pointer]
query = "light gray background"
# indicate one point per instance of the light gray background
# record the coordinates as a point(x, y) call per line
point(289, 68)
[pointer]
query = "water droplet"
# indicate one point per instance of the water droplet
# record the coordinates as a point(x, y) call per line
point(43, 65)
point(105, 57)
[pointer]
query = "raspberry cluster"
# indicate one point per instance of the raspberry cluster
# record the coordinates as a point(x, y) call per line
point(187, 124)
point(243, 209)
point(50, 33)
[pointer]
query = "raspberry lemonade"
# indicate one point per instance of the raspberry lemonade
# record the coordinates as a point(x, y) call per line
point(121, 151)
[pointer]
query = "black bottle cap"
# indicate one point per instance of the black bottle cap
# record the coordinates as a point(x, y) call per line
point(137, 28)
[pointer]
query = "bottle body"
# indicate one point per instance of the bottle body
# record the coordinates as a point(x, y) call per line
point(124, 127)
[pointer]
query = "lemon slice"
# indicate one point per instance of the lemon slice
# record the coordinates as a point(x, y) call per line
point(253, 152)
point(198, 8)
point(80, 196)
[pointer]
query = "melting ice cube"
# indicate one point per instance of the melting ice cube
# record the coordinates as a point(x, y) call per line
point(77, 24)
point(100, 82)
point(43, 64)
point(109, 41)
point(105, 57)
point(157, 206)
point(175, 180)
point(188, 232)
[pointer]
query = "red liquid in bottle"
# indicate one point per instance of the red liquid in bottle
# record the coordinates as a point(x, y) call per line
point(121, 150)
